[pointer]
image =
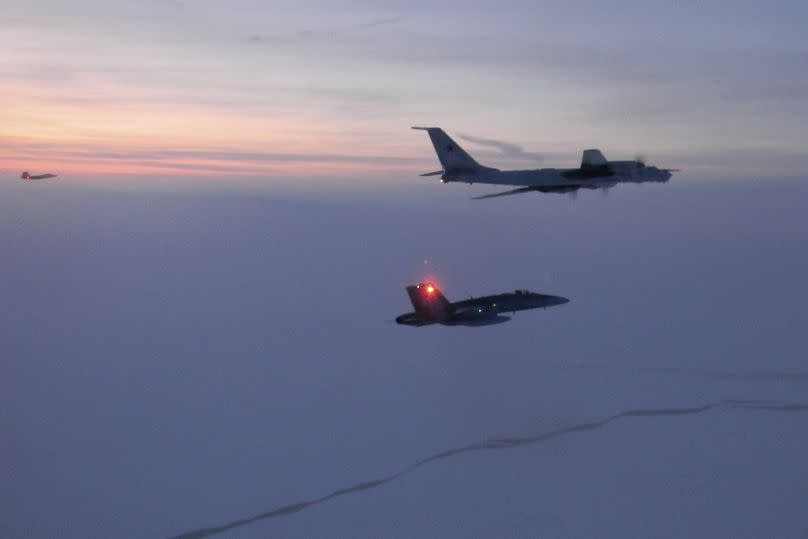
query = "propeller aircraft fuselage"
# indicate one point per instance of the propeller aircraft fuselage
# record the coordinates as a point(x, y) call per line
point(595, 171)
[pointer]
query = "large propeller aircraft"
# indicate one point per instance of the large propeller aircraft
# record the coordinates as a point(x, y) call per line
point(595, 171)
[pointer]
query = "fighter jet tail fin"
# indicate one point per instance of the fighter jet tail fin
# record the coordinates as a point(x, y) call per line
point(593, 159)
point(429, 302)
point(453, 158)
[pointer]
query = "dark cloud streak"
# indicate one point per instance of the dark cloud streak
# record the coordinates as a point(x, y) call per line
point(382, 22)
point(503, 443)
point(330, 32)
point(212, 160)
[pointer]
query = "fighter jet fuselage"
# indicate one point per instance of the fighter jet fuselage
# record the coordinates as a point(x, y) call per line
point(595, 171)
point(431, 307)
point(26, 176)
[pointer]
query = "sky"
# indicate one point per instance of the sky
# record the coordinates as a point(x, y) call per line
point(197, 336)
point(247, 88)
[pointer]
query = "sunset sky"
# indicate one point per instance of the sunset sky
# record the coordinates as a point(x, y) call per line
point(324, 88)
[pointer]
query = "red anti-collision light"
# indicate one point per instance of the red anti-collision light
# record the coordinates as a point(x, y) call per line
point(430, 289)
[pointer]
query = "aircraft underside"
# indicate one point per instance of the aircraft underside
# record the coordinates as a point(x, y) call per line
point(412, 319)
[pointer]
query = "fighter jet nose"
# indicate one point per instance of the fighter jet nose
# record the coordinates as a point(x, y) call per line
point(552, 301)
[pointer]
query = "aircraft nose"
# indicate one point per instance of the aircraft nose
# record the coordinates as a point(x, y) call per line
point(552, 301)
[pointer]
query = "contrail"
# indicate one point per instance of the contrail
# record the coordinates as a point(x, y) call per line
point(508, 149)
point(494, 444)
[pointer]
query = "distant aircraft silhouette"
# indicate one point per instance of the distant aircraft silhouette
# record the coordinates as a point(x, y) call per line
point(26, 176)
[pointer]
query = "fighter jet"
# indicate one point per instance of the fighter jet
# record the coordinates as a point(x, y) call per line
point(26, 176)
point(595, 171)
point(431, 307)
